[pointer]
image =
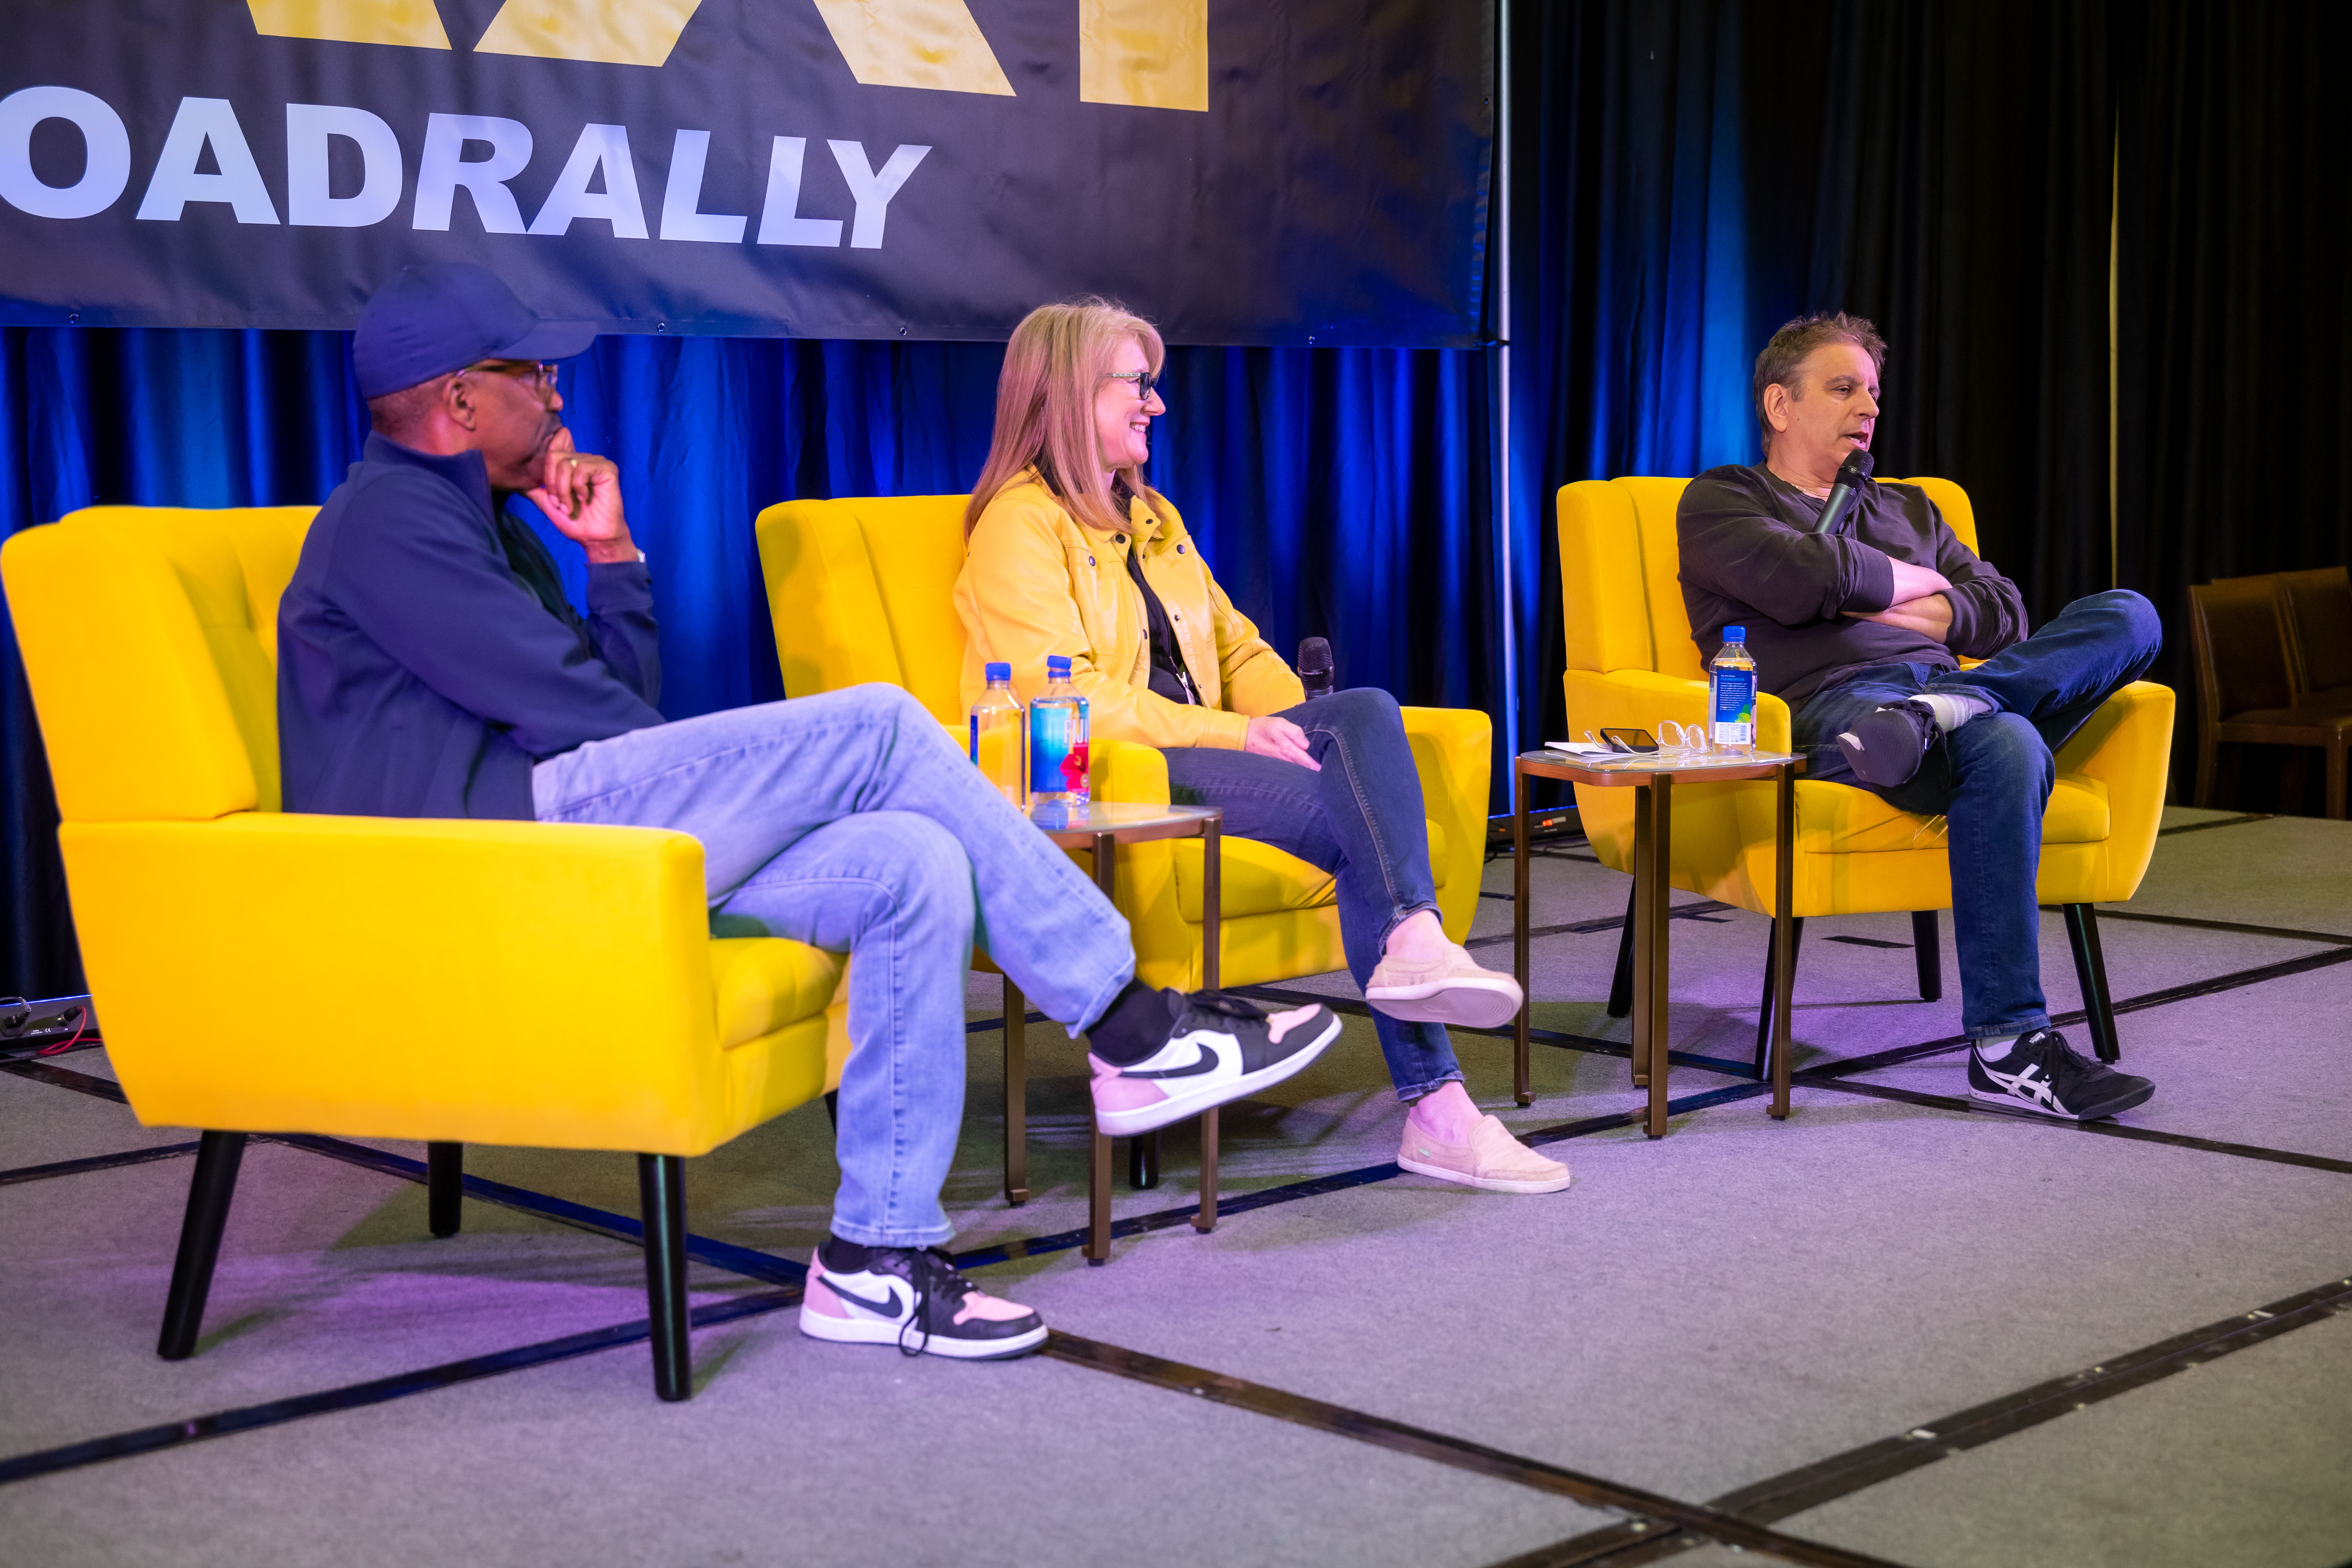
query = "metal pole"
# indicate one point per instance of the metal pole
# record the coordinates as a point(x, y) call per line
point(1508, 618)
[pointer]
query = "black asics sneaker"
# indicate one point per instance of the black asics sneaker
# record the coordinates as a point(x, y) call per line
point(2043, 1075)
point(1885, 749)
point(914, 1299)
point(1218, 1047)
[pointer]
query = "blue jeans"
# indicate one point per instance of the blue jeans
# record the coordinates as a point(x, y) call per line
point(1990, 778)
point(850, 822)
point(1362, 819)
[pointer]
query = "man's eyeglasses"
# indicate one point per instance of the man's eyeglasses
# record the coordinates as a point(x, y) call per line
point(1144, 380)
point(537, 377)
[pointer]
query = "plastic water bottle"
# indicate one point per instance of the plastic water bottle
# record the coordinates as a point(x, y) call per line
point(1058, 739)
point(1731, 694)
point(999, 734)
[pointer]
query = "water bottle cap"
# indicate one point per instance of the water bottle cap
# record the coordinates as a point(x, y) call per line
point(1057, 663)
point(1000, 672)
point(1735, 634)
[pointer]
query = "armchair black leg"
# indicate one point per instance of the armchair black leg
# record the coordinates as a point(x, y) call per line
point(661, 1184)
point(1620, 985)
point(1764, 1014)
point(445, 1187)
point(2091, 970)
point(1928, 952)
point(1143, 1160)
point(218, 1154)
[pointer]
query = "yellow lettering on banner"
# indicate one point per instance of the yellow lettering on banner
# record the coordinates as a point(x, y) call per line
point(615, 32)
point(413, 22)
point(930, 44)
point(1152, 54)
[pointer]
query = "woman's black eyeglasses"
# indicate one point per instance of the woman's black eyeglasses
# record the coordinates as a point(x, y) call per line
point(1145, 380)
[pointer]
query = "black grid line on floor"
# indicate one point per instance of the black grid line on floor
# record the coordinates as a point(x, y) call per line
point(2222, 822)
point(1793, 1492)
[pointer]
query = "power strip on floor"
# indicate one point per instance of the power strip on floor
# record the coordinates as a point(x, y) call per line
point(47, 1022)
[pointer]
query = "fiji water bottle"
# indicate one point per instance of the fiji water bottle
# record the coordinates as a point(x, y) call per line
point(998, 734)
point(1731, 694)
point(1058, 739)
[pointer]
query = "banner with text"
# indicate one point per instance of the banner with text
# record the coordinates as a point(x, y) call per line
point(1239, 171)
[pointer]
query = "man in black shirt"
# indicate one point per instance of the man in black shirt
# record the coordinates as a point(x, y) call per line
point(1860, 627)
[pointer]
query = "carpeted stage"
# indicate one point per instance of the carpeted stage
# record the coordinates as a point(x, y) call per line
point(1891, 1326)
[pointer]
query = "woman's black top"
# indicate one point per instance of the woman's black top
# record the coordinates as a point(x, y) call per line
point(1170, 678)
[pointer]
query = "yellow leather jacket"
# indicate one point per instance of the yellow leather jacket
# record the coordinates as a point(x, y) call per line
point(1037, 582)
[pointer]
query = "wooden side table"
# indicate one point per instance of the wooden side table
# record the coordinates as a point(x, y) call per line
point(1101, 826)
point(1652, 779)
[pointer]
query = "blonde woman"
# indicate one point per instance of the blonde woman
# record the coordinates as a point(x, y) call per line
point(1071, 552)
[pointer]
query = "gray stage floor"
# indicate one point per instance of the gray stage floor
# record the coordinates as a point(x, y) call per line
point(1889, 1325)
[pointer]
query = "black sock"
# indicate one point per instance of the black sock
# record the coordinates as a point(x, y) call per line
point(844, 1256)
point(1133, 1026)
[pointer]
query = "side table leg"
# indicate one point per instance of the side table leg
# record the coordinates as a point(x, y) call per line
point(1784, 932)
point(1519, 932)
point(1645, 935)
point(1212, 938)
point(1016, 1094)
point(1098, 1247)
point(1661, 906)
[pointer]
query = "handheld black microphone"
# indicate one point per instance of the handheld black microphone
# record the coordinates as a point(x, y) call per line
point(1851, 475)
point(1315, 672)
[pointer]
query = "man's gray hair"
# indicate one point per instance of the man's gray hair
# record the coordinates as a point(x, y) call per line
point(1778, 364)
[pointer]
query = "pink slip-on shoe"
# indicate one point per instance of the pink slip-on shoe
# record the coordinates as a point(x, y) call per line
point(1493, 1160)
point(1449, 990)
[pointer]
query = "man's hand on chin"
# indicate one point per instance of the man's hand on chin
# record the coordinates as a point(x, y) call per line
point(580, 494)
point(1931, 616)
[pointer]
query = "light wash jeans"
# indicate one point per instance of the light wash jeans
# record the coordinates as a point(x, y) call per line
point(1362, 819)
point(852, 823)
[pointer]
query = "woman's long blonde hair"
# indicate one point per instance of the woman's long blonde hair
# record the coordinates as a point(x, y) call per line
point(1054, 365)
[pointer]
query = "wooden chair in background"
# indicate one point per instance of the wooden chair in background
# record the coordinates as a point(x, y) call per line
point(2250, 664)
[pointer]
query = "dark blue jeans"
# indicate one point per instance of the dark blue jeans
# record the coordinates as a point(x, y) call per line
point(1362, 819)
point(1990, 778)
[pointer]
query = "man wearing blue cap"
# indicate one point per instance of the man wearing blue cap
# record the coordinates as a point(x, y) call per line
point(429, 665)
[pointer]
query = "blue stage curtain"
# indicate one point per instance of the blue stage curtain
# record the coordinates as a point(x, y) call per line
point(1340, 493)
point(1635, 309)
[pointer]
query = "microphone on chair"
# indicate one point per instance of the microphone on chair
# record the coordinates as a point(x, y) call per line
point(1851, 475)
point(1315, 672)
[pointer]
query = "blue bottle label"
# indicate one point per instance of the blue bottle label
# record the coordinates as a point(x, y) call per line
point(1057, 751)
point(1734, 696)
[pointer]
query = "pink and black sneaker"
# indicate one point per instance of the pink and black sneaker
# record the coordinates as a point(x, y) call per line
point(1216, 1046)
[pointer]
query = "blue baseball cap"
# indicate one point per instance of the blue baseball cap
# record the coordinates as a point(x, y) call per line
point(441, 316)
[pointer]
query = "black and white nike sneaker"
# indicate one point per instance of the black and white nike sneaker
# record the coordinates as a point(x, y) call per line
point(1886, 748)
point(914, 1298)
point(1219, 1046)
point(2043, 1075)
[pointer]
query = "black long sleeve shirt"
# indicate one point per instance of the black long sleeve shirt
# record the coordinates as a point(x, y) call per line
point(1749, 557)
point(426, 657)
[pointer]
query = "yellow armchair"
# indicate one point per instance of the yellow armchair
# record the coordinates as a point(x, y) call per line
point(449, 981)
point(1631, 662)
point(861, 590)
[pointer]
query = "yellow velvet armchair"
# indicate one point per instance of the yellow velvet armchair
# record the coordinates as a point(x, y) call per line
point(449, 981)
point(1631, 662)
point(861, 591)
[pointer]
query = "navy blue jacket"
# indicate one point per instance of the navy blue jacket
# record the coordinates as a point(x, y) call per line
point(427, 657)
